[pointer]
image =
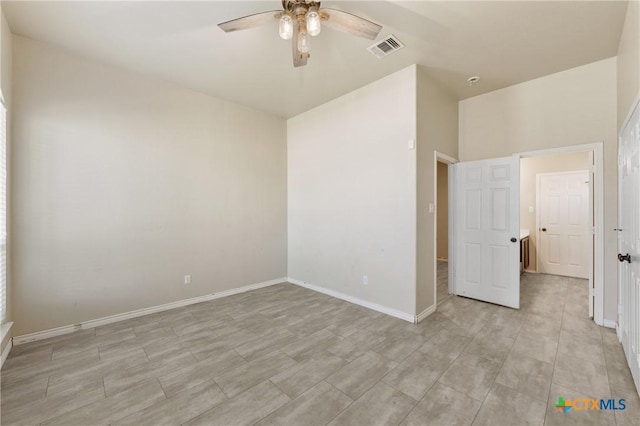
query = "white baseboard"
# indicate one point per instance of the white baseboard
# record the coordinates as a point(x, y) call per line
point(5, 352)
point(373, 306)
point(422, 315)
point(610, 324)
point(58, 331)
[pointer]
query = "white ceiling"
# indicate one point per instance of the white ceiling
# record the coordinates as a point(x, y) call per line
point(503, 42)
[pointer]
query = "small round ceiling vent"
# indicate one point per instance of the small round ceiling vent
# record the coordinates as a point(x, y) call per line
point(473, 80)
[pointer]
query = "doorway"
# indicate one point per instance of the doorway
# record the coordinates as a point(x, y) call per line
point(443, 231)
point(557, 212)
point(505, 215)
point(579, 158)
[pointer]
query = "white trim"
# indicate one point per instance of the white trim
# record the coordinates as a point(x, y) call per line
point(634, 104)
point(373, 306)
point(5, 352)
point(4, 330)
point(597, 148)
point(561, 150)
point(610, 324)
point(438, 156)
point(422, 315)
point(452, 230)
point(59, 331)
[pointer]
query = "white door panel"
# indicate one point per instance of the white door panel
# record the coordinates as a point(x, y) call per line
point(564, 230)
point(629, 243)
point(486, 219)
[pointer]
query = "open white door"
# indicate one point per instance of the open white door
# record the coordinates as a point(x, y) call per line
point(629, 243)
point(487, 230)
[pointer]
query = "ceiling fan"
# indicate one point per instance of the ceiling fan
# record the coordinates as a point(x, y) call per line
point(301, 19)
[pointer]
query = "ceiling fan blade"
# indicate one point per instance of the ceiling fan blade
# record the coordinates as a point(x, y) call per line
point(250, 21)
point(349, 23)
point(299, 58)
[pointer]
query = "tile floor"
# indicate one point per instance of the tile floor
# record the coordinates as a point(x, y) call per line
point(287, 355)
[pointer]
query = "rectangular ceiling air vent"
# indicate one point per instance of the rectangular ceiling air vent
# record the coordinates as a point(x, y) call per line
point(385, 47)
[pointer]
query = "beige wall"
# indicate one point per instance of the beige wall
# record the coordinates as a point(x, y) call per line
point(529, 168)
point(437, 131)
point(352, 193)
point(576, 106)
point(442, 207)
point(6, 40)
point(629, 62)
point(123, 184)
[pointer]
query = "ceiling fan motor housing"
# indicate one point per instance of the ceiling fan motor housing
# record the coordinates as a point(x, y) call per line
point(299, 7)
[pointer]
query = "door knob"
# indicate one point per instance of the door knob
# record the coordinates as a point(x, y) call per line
point(624, 257)
point(514, 239)
point(544, 229)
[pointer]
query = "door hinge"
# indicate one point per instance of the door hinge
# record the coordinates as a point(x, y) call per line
point(593, 231)
point(592, 292)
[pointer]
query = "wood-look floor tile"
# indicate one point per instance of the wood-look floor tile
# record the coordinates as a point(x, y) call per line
point(121, 380)
point(443, 405)
point(471, 375)
point(318, 406)
point(355, 378)
point(55, 405)
point(296, 380)
point(527, 375)
point(245, 408)
point(183, 406)
point(446, 345)
point(110, 410)
point(380, 405)
point(416, 374)
point(202, 371)
point(582, 376)
point(288, 355)
point(506, 406)
point(245, 376)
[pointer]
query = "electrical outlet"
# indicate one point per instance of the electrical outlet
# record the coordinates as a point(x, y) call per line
point(187, 279)
point(365, 280)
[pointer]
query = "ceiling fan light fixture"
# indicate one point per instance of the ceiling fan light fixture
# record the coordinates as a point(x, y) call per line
point(286, 27)
point(304, 41)
point(299, 20)
point(313, 22)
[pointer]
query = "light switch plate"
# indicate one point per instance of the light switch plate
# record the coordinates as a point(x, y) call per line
point(411, 144)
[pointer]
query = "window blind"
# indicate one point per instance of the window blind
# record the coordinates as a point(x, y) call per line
point(3, 213)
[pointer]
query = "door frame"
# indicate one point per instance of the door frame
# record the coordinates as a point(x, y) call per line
point(598, 215)
point(538, 176)
point(442, 158)
point(635, 104)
